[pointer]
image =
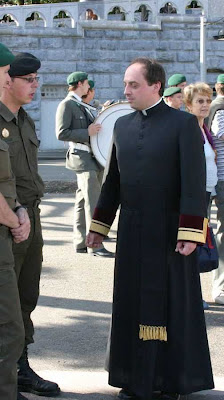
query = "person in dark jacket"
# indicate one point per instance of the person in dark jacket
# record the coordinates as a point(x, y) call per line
point(14, 224)
point(17, 130)
point(157, 176)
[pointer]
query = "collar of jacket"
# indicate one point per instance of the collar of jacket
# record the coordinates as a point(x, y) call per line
point(7, 114)
point(81, 103)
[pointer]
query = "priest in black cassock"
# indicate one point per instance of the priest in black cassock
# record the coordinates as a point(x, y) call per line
point(159, 345)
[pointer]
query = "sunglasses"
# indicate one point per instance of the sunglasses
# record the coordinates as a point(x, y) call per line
point(28, 80)
point(202, 101)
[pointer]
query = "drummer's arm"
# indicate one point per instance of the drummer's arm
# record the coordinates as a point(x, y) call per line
point(64, 121)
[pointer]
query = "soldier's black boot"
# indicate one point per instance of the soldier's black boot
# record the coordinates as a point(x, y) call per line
point(30, 382)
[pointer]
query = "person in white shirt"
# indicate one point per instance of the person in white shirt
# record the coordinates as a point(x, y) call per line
point(216, 125)
point(197, 98)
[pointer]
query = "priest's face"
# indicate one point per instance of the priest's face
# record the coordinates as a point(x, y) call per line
point(137, 90)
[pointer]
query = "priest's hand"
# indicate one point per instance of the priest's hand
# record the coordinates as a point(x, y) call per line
point(94, 240)
point(185, 248)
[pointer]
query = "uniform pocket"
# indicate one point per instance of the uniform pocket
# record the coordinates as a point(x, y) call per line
point(34, 140)
point(9, 300)
point(80, 122)
point(6, 255)
point(80, 160)
point(5, 166)
point(14, 145)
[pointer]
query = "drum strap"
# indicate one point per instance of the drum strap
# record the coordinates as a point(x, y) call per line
point(90, 117)
point(87, 108)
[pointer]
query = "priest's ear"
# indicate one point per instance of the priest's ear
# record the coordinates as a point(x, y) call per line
point(157, 87)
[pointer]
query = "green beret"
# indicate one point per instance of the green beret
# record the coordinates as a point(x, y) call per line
point(24, 64)
point(91, 84)
point(6, 57)
point(220, 79)
point(76, 77)
point(171, 91)
point(176, 79)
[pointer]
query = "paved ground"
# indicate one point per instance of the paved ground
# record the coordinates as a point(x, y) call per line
point(73, 315)
point(57, 178)
point(54, 170)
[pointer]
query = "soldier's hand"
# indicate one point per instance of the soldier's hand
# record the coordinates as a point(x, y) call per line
point(93, 129)
point(94, 240)
point(185, 248)
point(22, 232)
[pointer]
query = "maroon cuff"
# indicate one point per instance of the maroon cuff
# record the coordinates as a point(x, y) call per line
point(192, 228)
point(106, 216)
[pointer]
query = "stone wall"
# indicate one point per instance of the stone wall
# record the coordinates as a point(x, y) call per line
point(104, 49)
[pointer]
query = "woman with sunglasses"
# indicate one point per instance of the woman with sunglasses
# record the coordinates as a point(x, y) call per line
point(197, 98)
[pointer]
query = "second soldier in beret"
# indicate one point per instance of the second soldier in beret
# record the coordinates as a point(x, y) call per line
point(173, 97)
point(75, 124)
point(23, 146)
point(87, 98)
point(178, 80)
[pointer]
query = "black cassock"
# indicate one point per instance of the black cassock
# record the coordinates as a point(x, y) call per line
point(157, 176)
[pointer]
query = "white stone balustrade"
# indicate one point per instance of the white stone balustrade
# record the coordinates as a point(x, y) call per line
point(76, 11)
point(46, 11)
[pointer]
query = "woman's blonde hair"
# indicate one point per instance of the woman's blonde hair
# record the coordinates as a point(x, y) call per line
point(196, 88)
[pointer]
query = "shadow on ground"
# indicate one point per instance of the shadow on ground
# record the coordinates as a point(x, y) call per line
point(214, 394)
point(87, 396)
point(102, 307)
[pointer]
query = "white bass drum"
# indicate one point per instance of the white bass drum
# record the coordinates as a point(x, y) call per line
point(101, 142)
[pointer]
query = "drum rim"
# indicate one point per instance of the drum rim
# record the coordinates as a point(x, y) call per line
point(94, 140)
point(114, 104)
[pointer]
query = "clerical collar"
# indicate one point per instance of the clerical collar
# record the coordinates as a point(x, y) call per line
point(144, 112)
